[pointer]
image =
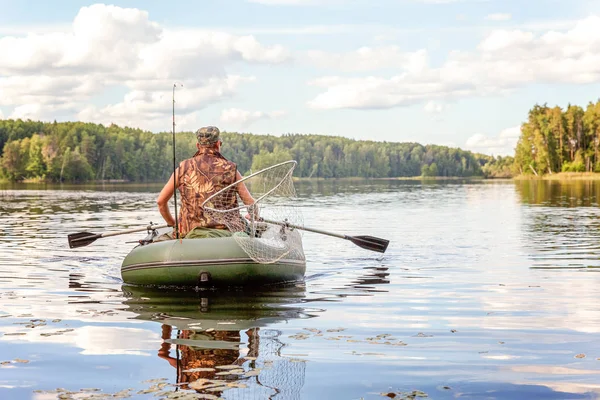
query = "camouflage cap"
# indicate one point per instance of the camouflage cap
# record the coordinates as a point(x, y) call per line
point(208, 135)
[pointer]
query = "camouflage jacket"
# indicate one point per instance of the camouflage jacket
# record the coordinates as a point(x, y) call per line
point(199, 178)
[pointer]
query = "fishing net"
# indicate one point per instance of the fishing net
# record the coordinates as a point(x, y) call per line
point(270, 196)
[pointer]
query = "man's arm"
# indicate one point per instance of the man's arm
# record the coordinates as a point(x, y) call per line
point(245, 195)
point(243, 190)
point(163, 202)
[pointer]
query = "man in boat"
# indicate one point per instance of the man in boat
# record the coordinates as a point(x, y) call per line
point(198, 178)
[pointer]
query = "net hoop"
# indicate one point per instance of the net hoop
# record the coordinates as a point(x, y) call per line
point(292, 164)
point(272, 196)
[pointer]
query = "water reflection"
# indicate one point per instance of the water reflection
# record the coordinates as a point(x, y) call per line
point(576, 193)
point(492, 277)
point(561, 223)
point(220, 343)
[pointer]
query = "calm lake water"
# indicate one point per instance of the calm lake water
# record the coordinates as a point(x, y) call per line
point(488, 290)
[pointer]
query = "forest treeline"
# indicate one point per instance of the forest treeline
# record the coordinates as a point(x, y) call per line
point(556, 140)
point(78, 152)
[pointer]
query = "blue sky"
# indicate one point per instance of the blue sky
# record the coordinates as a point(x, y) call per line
point(454, 72)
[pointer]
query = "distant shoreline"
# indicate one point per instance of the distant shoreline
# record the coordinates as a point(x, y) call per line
point(296, 179)
point(561, 176)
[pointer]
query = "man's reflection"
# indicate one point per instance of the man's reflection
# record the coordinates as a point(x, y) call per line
point(193, 363)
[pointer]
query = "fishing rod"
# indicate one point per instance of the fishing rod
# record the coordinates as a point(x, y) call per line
point(174, 167)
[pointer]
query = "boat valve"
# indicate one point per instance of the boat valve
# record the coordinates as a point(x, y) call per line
point(204, 277)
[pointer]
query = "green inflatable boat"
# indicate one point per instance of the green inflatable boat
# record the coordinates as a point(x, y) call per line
point(207, 262)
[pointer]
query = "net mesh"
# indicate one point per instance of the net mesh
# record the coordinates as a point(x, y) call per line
point(243, 207)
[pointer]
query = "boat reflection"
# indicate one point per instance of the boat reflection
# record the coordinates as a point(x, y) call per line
point(220, 343)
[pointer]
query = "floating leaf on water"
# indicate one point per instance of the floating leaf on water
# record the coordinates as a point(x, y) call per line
point(453, 330)
point(237, 385)
point(313, 330)
point(299, 336)
point(199, 370)
point(418, 393)
point(332, 338)
point(228, 367)
point(15, 334)
point(581, 355)
point(206, 396)
point(217, 388)
point(199, 383)
point(336, 330)
point(155, 380)
point(19, 360)
point(90, 390)
point(123, 394)
point(421, 334)
point(4, 362)
point(391, 395)
point(446, 388)
point(223, 373)
point(500, 342)
point(56, 320)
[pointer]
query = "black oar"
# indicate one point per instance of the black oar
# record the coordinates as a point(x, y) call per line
point(84, 238)
point(365, 242)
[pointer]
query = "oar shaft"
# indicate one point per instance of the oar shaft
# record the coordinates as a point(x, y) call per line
point(337, 235)
point(103, 235)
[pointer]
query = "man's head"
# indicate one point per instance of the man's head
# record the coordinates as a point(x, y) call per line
point(208, 136)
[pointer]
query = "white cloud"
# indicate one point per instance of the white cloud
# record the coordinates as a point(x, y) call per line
point(110, 46)
point(433, 107)
point(498, 17)
point(244, 118)
point(368, 58)
point(1, 115)
point(286, 2)
point(503, 61)
point(450, 1)
point(95, 340)
point(153, 104)
point(380, 93)
point(503, 144)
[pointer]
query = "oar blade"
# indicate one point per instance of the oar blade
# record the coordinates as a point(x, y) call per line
point(370, 243)
point(81, 239)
